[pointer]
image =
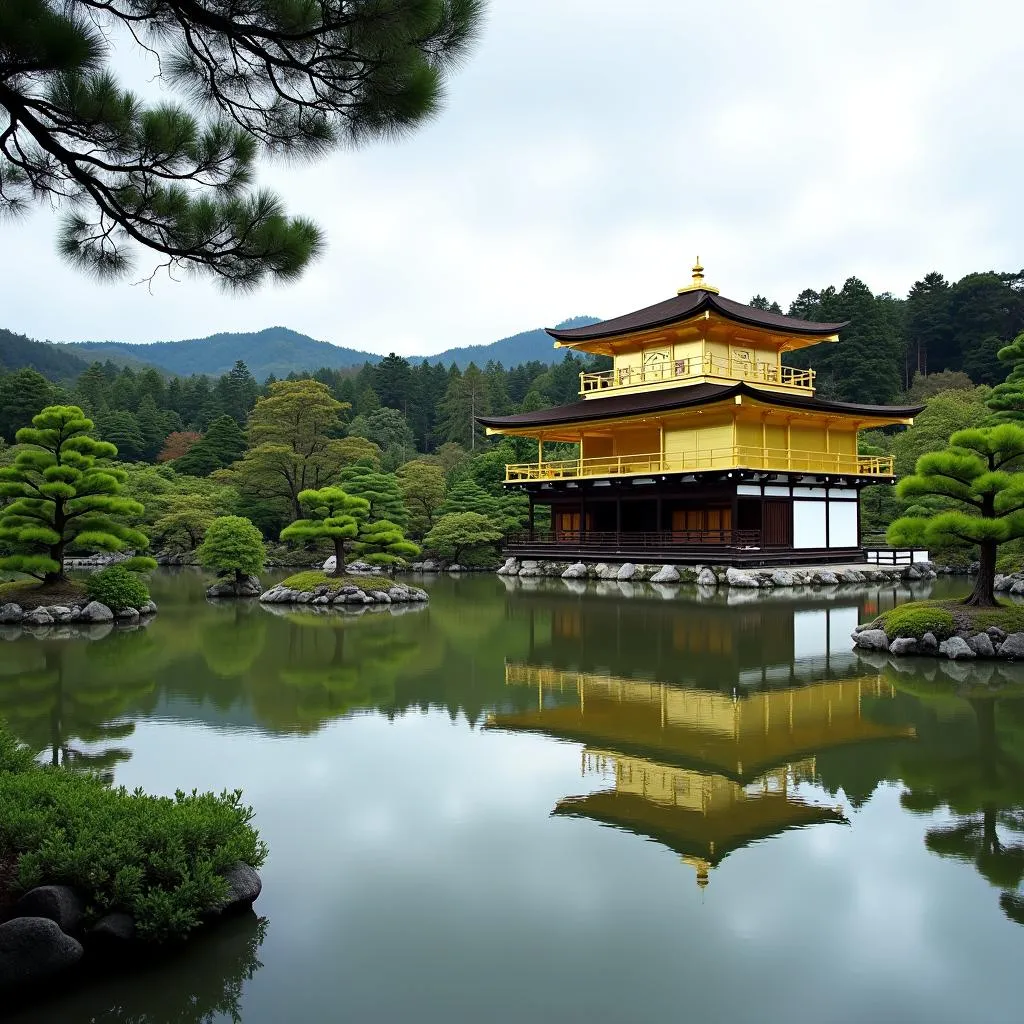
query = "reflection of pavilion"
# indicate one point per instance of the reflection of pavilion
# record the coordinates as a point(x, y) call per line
point(702, 773)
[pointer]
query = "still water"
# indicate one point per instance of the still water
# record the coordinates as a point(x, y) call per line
point(555, 803)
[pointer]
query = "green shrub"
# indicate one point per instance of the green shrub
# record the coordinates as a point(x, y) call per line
point(917, 619)
point(117, 588)
point(160, 859)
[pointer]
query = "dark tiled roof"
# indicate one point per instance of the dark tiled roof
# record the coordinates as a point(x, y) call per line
point(687, 305)
point(682, 398)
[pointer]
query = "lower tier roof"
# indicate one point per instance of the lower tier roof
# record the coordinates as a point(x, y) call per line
point(691, 396)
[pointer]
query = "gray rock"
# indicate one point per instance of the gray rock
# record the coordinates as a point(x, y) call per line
point(32, 950)
point(37, 617)
point(59, 903)
point(11, 614)
point(94, 611)
point(1012, 647)
point(706, 578)
point(824, 578)
point(626, 572)
point(998, 635)
point(981, 644)
point(116, 928)
point(903, 645)
point(782, 578)
point(149, 608)
point(852, 576)
point(510, 568)
point(127, 615)
point(1018, 588)
point(576, 571)
point(871, 639)
point(929, 644)
point(666, 574)
point(430, 565)
point(956, 648)
point(61, 613)
point(455, 567)
point(248, 586)
point(913, 573)
point(244, 888)
point(1002, 582)
point(739, 578)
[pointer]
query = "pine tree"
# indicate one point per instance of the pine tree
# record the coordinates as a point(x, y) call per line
point(221, 446)
point(22, 394)
point(1007, 399)
point(284, 77)
point(379, 490)
point(334, 516)
point(121, 429)
point(975, 472)
point(383, 543)
point(64, 494)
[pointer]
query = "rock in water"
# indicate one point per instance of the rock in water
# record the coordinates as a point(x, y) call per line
point(1013, 647)
point(706, 578)
point(244, 888)
point(929, 644)
point(956, 648)
point(576, 571)
point(872, 639)
point(113, 929)
point(33, 949)
point(739, 578)
point(903, 645)
point(981, 644)
point(666, 574)
point(626, 572)
point(96, 612)
point(11, 614)
point(58, 903)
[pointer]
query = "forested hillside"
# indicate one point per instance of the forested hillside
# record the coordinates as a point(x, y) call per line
point(52, 361)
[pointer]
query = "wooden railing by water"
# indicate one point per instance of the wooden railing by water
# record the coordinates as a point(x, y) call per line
point(730, 457)
point(698, 366)
point(635, 542)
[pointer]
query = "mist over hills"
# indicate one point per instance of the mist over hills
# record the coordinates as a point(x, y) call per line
point(280, 351)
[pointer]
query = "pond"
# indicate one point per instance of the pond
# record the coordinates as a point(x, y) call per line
point(531, 801)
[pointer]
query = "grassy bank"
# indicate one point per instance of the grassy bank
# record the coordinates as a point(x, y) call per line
point(29, 594)
point(160, 859)
point(944, 619)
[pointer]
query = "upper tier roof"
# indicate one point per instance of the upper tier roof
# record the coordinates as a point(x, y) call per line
point(687, 305)
point(639, 403)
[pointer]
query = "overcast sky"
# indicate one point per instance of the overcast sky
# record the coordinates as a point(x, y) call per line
point(589, 150)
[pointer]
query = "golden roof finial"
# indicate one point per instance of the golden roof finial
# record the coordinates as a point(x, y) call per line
point(697, 284)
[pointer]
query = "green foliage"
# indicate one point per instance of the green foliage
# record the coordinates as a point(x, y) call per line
point(379, 490)
point(117, 588)
point(916, 619)
point(160, 859)
point(1007, 399)
point(64, 494)
point(457, 533)
point(383, 543)
point(423, 487)
point(221, 446)
point(179, 180)
point(313, 578)
point(232, 546)
point(335, 515)
point(505, 511)
point(22, 394)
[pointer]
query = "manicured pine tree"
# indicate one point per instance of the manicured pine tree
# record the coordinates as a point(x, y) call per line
point(380, 491)
point(223, 444)
point(63, 493)
point(1006, 400)
point(334, 515)
point(383, 543)
point(232, 547)
point(976, 473)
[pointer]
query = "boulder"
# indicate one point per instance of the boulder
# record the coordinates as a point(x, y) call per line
point(929, 644)
point(739, 578)
point(113, 929)
point(997, 635)
point(248, 586)
point(37, 617)
point(956, 648)
point(58, 903)
point(626, 572)
point(871, 639)
point(666, 574)
point(852, 576)
point(1018, 588)
point(903, 645)
point(1002, 582)
point(706, 578)
point(94, 611)
point(244, 888)
point(430, 565)
point(782, 578)
point(576, 571)
point(824, 578)
point(510, 568)
point(981, 644)
point(10, 614)
point(61, 613)
point(455, 567)
point(32, 950)
point(127, 615)
point(913, 573)
point(1013, 647)
point(330, 565)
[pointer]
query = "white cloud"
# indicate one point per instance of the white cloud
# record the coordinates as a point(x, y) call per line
point(588, 152)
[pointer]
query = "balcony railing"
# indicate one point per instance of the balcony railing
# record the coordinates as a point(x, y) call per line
point(734, 457)
point(698, 366)
point(640, 541)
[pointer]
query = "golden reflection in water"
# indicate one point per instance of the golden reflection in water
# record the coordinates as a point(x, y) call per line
point(702, 773)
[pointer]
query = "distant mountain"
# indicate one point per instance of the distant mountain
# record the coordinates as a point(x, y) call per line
point(280, 351)
point(52, 361)
point(520, 348)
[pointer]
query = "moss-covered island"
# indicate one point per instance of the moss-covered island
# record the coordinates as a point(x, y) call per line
point(318, 587)
point(89, 871)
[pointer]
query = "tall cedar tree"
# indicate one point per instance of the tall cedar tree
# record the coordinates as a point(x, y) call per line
point(334, 516)
point(221, 446)
point(259, 76)
point(65, 494)
point(976, 472)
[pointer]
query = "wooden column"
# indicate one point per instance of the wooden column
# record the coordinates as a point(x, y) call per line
point(658, 515)
point(618, 515)
point(531, 515)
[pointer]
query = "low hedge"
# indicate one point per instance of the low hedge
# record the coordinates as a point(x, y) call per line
point(160, 859)
point(914, 620)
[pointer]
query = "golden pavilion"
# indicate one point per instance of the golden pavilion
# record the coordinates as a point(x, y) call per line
point(702, 773)
point(699, 442)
